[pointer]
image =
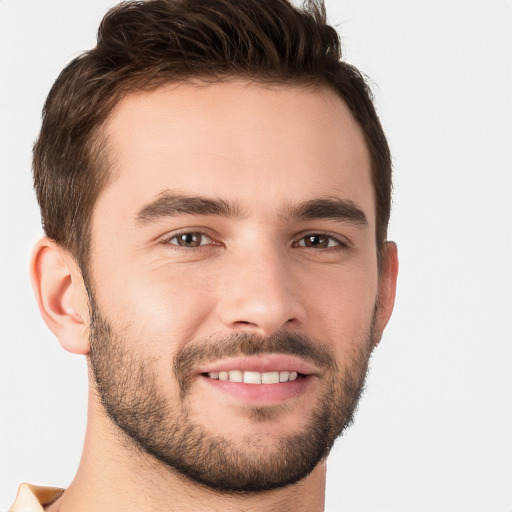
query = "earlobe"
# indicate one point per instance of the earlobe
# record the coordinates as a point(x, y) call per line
point(387, 287)
point(61, 295)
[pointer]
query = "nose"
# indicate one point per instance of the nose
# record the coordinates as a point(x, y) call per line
point(261, 295)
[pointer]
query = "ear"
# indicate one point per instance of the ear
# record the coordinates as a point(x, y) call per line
point(387, 287)
point(61, 295)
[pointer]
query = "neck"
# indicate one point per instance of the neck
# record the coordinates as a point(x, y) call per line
point(114, 475)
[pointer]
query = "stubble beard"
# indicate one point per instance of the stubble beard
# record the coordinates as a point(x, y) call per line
point(128, 390)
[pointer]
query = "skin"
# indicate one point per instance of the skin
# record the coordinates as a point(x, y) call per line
point(266, 150)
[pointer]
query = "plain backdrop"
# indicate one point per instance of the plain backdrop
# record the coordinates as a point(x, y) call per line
point(434, 429)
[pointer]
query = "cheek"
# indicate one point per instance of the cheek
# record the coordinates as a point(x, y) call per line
point(167, 307)
point(342, 306)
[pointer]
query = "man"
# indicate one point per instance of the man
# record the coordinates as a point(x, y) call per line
point(215, 187)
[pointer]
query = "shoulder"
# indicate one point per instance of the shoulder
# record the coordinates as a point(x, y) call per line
point(32, 498)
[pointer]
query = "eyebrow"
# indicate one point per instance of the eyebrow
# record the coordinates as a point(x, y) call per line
point(329, 208)
point(169, 204)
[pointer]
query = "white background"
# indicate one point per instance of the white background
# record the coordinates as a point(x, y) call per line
point(434, 429)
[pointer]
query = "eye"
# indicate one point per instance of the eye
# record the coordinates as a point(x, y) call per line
point(319, 241)
point(189, 240)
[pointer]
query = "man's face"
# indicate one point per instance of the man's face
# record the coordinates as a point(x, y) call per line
point(236, 242)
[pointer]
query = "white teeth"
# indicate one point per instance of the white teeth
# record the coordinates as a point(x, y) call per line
point(270, 378)
point(254, 377)
point(283, 376)
point(236, 376)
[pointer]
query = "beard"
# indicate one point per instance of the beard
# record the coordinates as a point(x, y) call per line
point(127, 386)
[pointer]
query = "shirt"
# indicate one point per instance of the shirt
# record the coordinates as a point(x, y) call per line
point(32, 498)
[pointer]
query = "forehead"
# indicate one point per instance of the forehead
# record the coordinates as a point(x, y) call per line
point(258, 145)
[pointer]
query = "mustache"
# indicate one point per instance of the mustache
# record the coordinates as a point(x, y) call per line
point(199, 352)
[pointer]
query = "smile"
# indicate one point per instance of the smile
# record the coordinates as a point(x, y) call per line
point(261, 380)
point(250, 377)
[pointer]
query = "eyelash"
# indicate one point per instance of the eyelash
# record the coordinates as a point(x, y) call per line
point(340, 244)
point(167, 241)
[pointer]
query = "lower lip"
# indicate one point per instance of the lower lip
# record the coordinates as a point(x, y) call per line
point(259, 394)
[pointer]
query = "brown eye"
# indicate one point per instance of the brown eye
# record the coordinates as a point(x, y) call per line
point(190, 240)
point(318, 241)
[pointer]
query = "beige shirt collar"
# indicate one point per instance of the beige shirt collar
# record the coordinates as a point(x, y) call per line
point(32, 498)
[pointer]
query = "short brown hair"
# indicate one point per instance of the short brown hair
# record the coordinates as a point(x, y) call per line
point(145, 44)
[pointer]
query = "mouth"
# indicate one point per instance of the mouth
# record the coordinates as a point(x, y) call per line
point(251, 377)
point(259, 380)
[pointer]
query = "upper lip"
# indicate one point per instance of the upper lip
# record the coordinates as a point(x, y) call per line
point(261, 363)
